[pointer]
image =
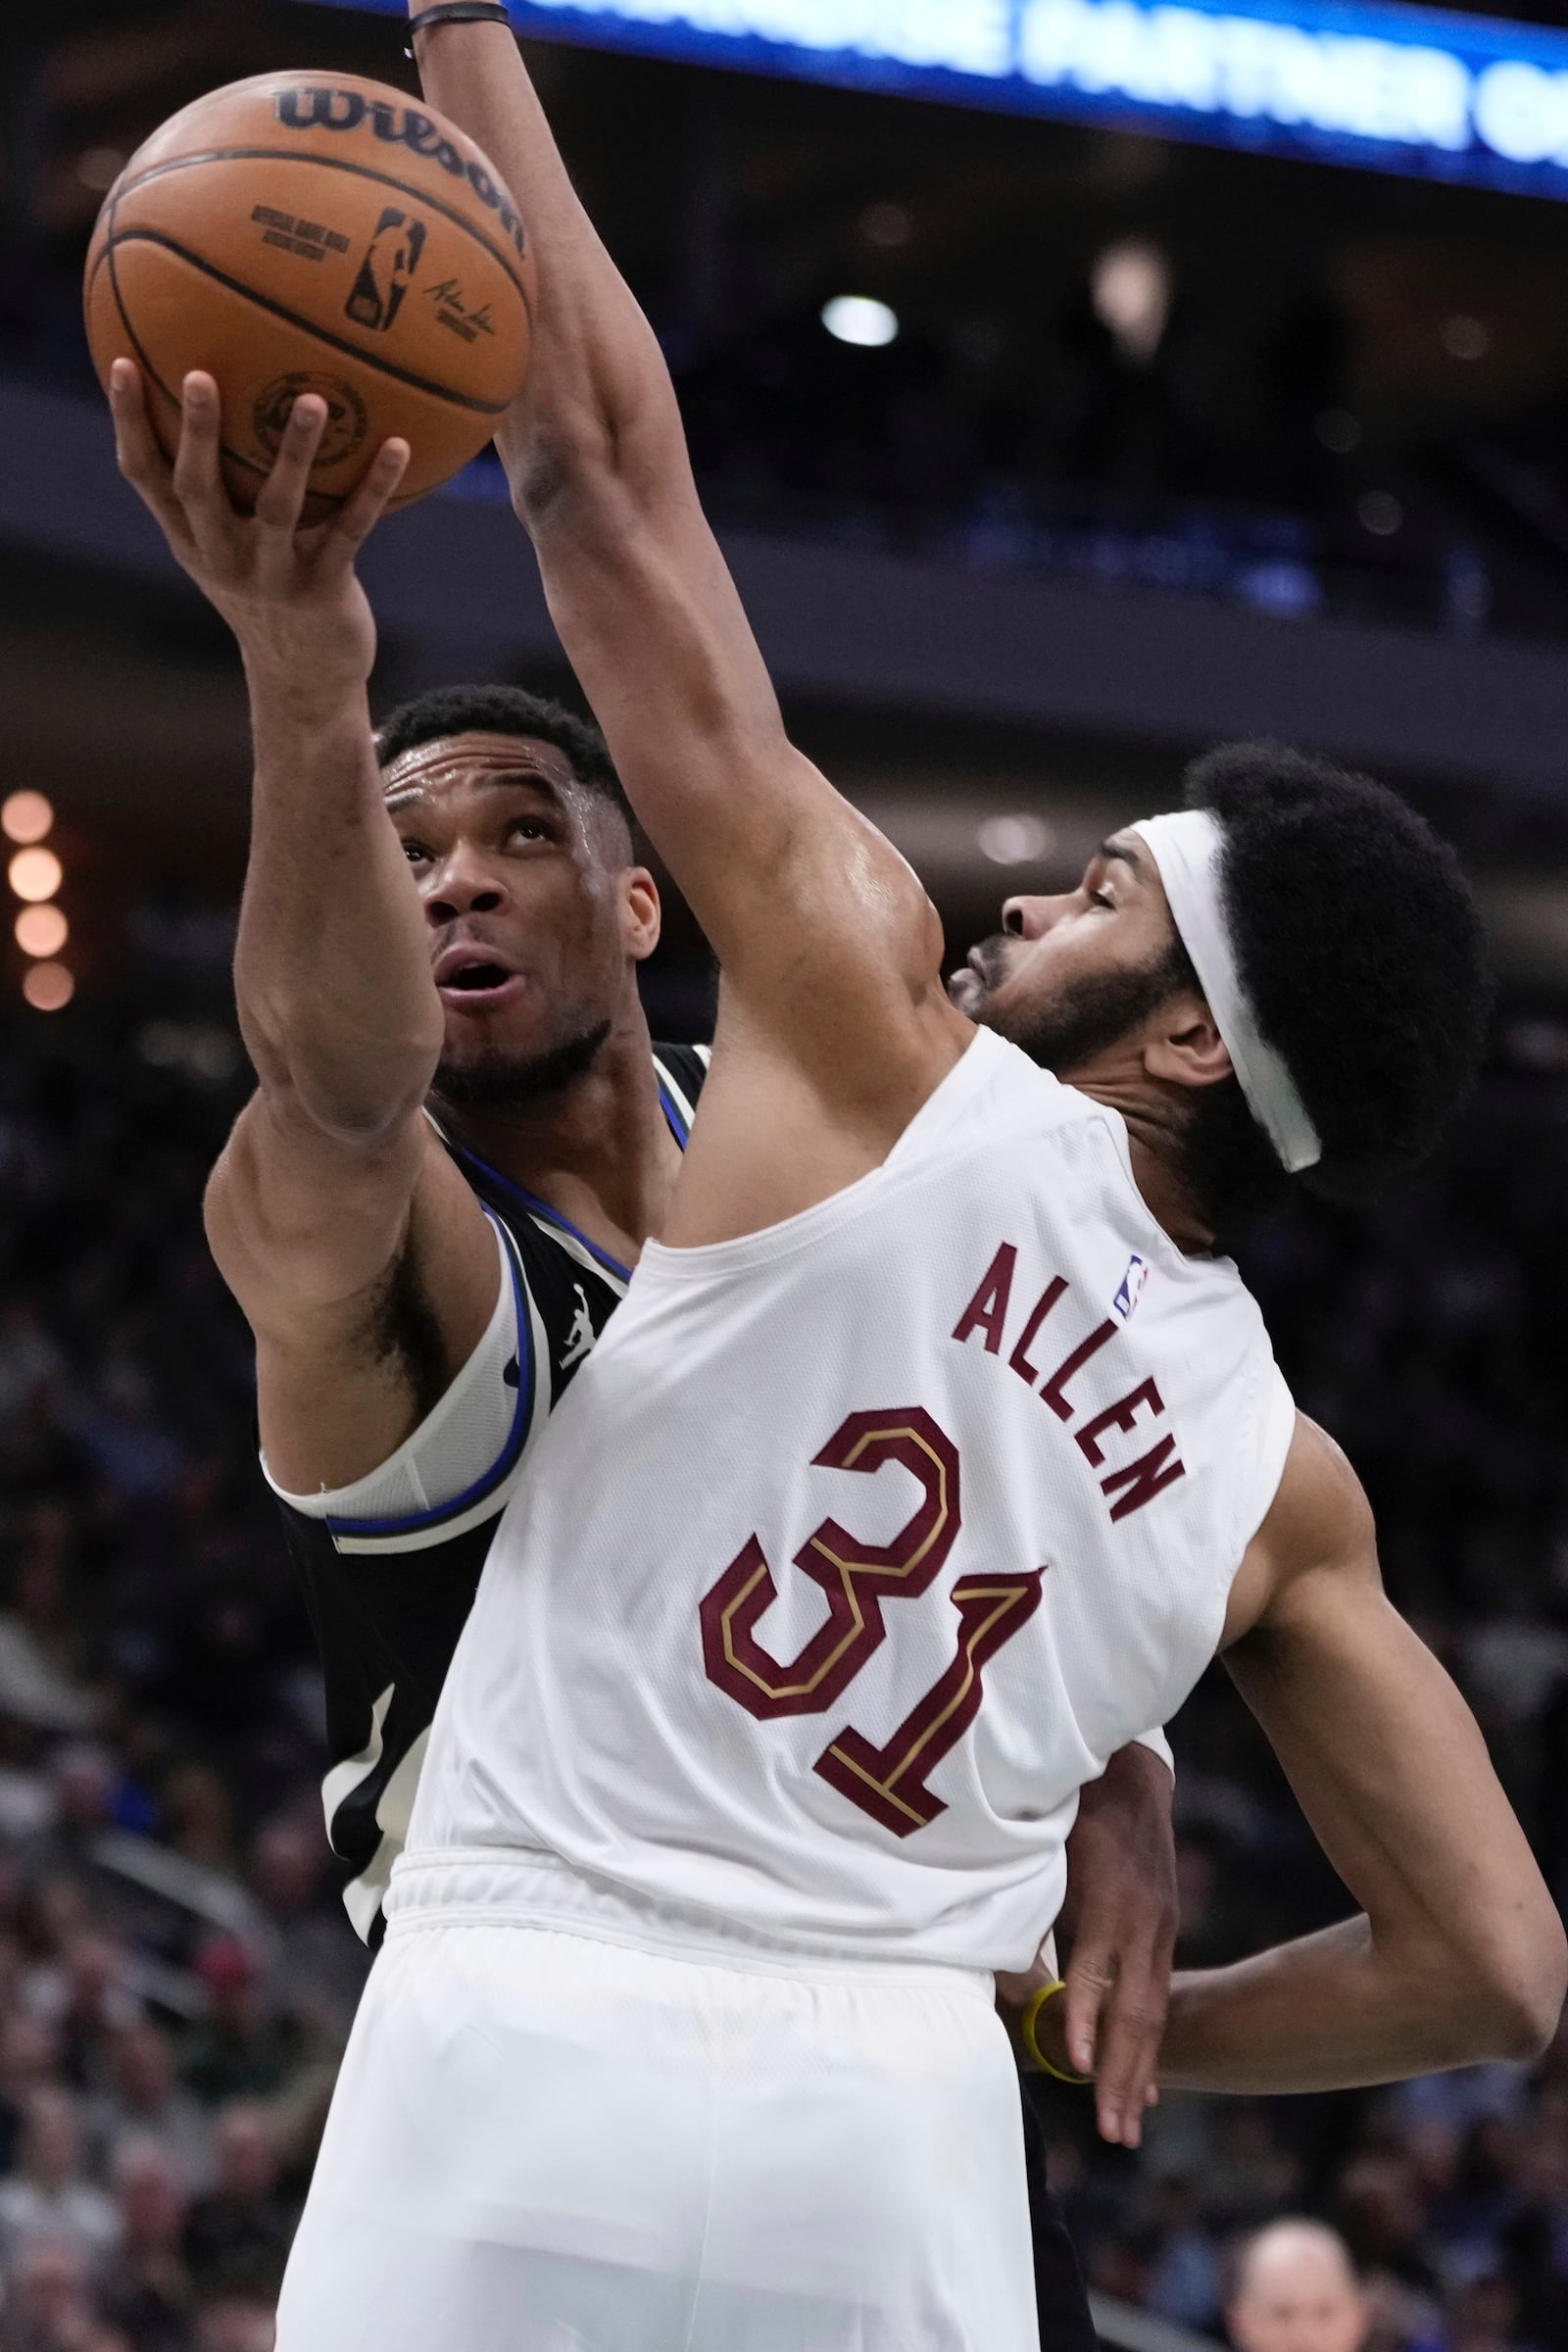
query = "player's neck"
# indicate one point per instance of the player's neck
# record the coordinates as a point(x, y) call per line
point(598, 1149)
point(1153, 1137)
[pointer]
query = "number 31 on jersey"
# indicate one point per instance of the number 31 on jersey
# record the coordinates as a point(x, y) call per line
point(889, 1781)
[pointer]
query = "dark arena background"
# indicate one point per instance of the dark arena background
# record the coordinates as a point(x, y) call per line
point(1060, 416)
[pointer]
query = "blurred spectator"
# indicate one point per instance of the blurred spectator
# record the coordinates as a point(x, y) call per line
point(51, 2306)
point(73, 1887)
point(198, 1817)
point(242, 2047)
point(316, 1971)
point(239, 2232)
point(146, 2287)
point(96, 2006)
point(1294, 2290)
point(144, 2100)
point(29, 2056)
point(29, 1357)
point(235, 2324)
point(48, 2194)
point(1482, 2316)
point(1250, 2175)
point(1186, 2284)
point(35, 1686)
point(1385, 2217)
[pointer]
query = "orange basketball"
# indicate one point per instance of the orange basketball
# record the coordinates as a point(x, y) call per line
point(314, 233)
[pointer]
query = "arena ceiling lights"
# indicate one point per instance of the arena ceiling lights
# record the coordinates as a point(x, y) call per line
point(1384, 87)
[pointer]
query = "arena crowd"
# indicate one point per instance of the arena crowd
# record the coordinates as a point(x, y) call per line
point(177, 1974)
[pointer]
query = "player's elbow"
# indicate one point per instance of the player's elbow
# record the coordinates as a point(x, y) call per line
point(575, 478)
point(362, 1109)
point(548, 470)
point(1529, 1985)
point(594, 471)
point(1512, 1993)
point(363, 1122)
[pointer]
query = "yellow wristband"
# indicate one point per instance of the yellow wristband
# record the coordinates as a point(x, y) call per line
point(1037, 2001)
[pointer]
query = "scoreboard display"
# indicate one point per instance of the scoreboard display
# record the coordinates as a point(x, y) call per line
point(1385, 88)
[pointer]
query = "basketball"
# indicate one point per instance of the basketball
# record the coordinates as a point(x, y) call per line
point(311, 232)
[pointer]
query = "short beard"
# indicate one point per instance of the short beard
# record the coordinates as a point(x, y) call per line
point(1219, 1152)
point(1091, 1015)
point(509, 1082)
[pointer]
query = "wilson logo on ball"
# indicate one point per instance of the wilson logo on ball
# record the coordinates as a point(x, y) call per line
point(386, 271)
point(310, 231)
point(315, 108)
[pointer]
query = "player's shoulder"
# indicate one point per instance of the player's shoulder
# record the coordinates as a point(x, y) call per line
point(1316, 1542)
point(1320, 1517)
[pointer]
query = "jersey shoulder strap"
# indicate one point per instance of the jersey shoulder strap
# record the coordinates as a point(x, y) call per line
point(681, 1070)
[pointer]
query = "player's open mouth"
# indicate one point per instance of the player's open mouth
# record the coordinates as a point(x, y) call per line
point(475, 982)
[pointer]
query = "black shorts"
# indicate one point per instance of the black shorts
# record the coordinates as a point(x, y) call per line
point(1060, 2295)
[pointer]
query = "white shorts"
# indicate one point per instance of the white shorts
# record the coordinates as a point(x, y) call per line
point(568, 2122)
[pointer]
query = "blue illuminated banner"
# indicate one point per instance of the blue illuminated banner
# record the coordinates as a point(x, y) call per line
point(1382, 86)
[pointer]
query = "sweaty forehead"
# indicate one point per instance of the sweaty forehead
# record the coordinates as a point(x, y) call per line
point(476, 758)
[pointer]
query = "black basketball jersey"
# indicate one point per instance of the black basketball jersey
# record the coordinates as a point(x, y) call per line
point(389, 1598)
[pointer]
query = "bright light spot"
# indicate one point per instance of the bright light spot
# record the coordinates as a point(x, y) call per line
point(26, 816)
point(41, 930)
point(36, 873)
point(47, 987)
point(857, 319)
point(1379, 513)
point(1131, 287)
point(1465, 338)
point(1013, 840)
point(98, 167)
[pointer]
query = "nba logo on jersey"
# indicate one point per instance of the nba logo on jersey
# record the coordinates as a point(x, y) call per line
point(1132, 1287)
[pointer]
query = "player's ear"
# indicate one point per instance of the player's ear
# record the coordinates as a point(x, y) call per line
point(1184, 1046)
point(640, 916)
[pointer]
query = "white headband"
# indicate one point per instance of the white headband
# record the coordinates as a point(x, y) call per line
point(1187, 850)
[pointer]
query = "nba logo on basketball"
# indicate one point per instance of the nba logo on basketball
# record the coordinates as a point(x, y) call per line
point(1132, 1287)
point(386, 271)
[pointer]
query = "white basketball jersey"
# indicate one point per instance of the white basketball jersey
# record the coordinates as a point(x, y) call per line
point(862, 1543)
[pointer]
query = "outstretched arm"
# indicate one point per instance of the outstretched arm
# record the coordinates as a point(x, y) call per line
point(1457, 1954)
point(331, 1180)
point(829, 945)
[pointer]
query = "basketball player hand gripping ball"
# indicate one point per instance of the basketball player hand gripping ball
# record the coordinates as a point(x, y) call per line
point(299, 233)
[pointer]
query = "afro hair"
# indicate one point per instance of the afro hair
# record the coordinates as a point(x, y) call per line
point(1360, 944)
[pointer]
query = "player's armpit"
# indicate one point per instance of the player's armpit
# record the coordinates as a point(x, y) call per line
point(1459, 1956)
point(367, 1276)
